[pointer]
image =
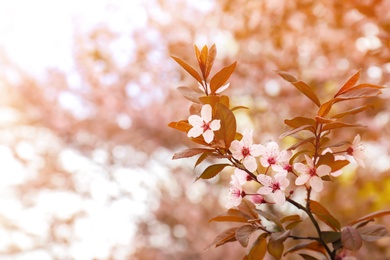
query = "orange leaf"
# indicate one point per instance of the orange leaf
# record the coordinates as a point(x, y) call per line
point(188, 68)
point(324, 215)
point(314, 246)
point(210, 60)
point(259, 248)
point(229, 235)
point(190, 152)
point(296, 130)
point(349, 84)
point(227, 132)
point(336, 125)
point(243, 234)
point(221, 77)
point(212, 171)
point(182, 125)
point(275, 244)
point(232, 215)
point(376, 214)
point(352, 111)
point(299, 121)
point(325, 108)
point(357, 93)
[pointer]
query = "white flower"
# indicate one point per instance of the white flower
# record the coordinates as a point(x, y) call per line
point(204, 125)
point(246, 151)
point(357, 151)
point(311, 174)
point(222, 88)
point(271, 156)
point(274, 187)
point(235, 193)
point(242, 176)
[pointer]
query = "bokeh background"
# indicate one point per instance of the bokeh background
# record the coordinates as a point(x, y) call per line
point(87, 89)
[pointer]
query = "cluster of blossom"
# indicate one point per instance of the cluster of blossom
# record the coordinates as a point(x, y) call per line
point(276, 178)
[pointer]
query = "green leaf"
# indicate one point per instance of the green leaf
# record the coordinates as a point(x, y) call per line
point(221, 77)
point(212, 171)
point(323, 214)
point(190, 152)
point(351, 239)
point(227, 132)
point(189, 94)
point(373, 232)
point(330, 236)
point(243, 234)
point(188, 68)
point(349, 84)
point(259, 248)
point(373, 215)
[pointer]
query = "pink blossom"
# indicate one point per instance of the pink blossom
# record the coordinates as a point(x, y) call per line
point(274, 187)
point(357, 151)
point(311, 174)
point(204, 125)
point(246, 151)
point(278, 160)
point(235, 193)
point(242, 176)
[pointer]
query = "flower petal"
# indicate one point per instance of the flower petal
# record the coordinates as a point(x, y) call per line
point(264, 190)
point(316, 183)
point(256, 149)
point(279, 197)
point(323, 170)
point(301, 168)
point(241, 175)
point(195, 120)
point(247, 139)
point(195, 132)
point(215, 124)
point(236, 149)
point(302, 179)
point(206, 113)
point(264, 161)
point(208, 136)
point(250, 163)
point(264, 179)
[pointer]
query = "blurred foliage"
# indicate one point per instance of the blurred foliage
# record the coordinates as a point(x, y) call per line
point(98, 131)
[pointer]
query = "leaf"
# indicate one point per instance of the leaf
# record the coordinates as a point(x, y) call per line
point(243, 234)
point(337, 125)
point(247, 207)
point(292, 224)
point(275, 244)
point(296, 130)
point(304, 141)
point(189, 94)
point(376, 214)
point(308, 257)
point(270, 217)
point(227, 132)
point(201, 158)
point(330, 236)
point(301, 86)
point(323, 120)
point(188, 68)
point(300, 121)
point(325, 108)
point(212, 171)
point(351, 239)
point(351, 111)
point(221, 77)
point(239, 107)
point(290, 218)
point(373, 232)
point(259, 248)
point(358, 93)
point(229, 235)
point(324, 215)
point(210, 60)
point(190, 152)
point(349, 84)
point(232, 215)
point(182, 125)
point(310, 245)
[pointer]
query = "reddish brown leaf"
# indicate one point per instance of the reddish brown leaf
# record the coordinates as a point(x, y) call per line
point(201, 158)
point(349, 84)
point(286, 76)
point(305, 89)
point(189, 94)
point(325, 108)
point(296, 130)
point(212, 171)
point(232, 215)
point(330, 236)
point(221, 77)
point(373, 215)
point(323, 120)
point(210, 60)
point(188, 68)
point(351, 239)
point(323, 214)
point(373, 232)
point(259, 248)
point(271, 217)
point(304, 141)
point(358, 93)
point(290, 218)
point(299, 121)
point(227, 132)
point(275, 244)
point(307, 257)
point(243, 234)
point(352, 111)
point(190, 152)
point(337, 125)
point(229, 235)
point(310, 245)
